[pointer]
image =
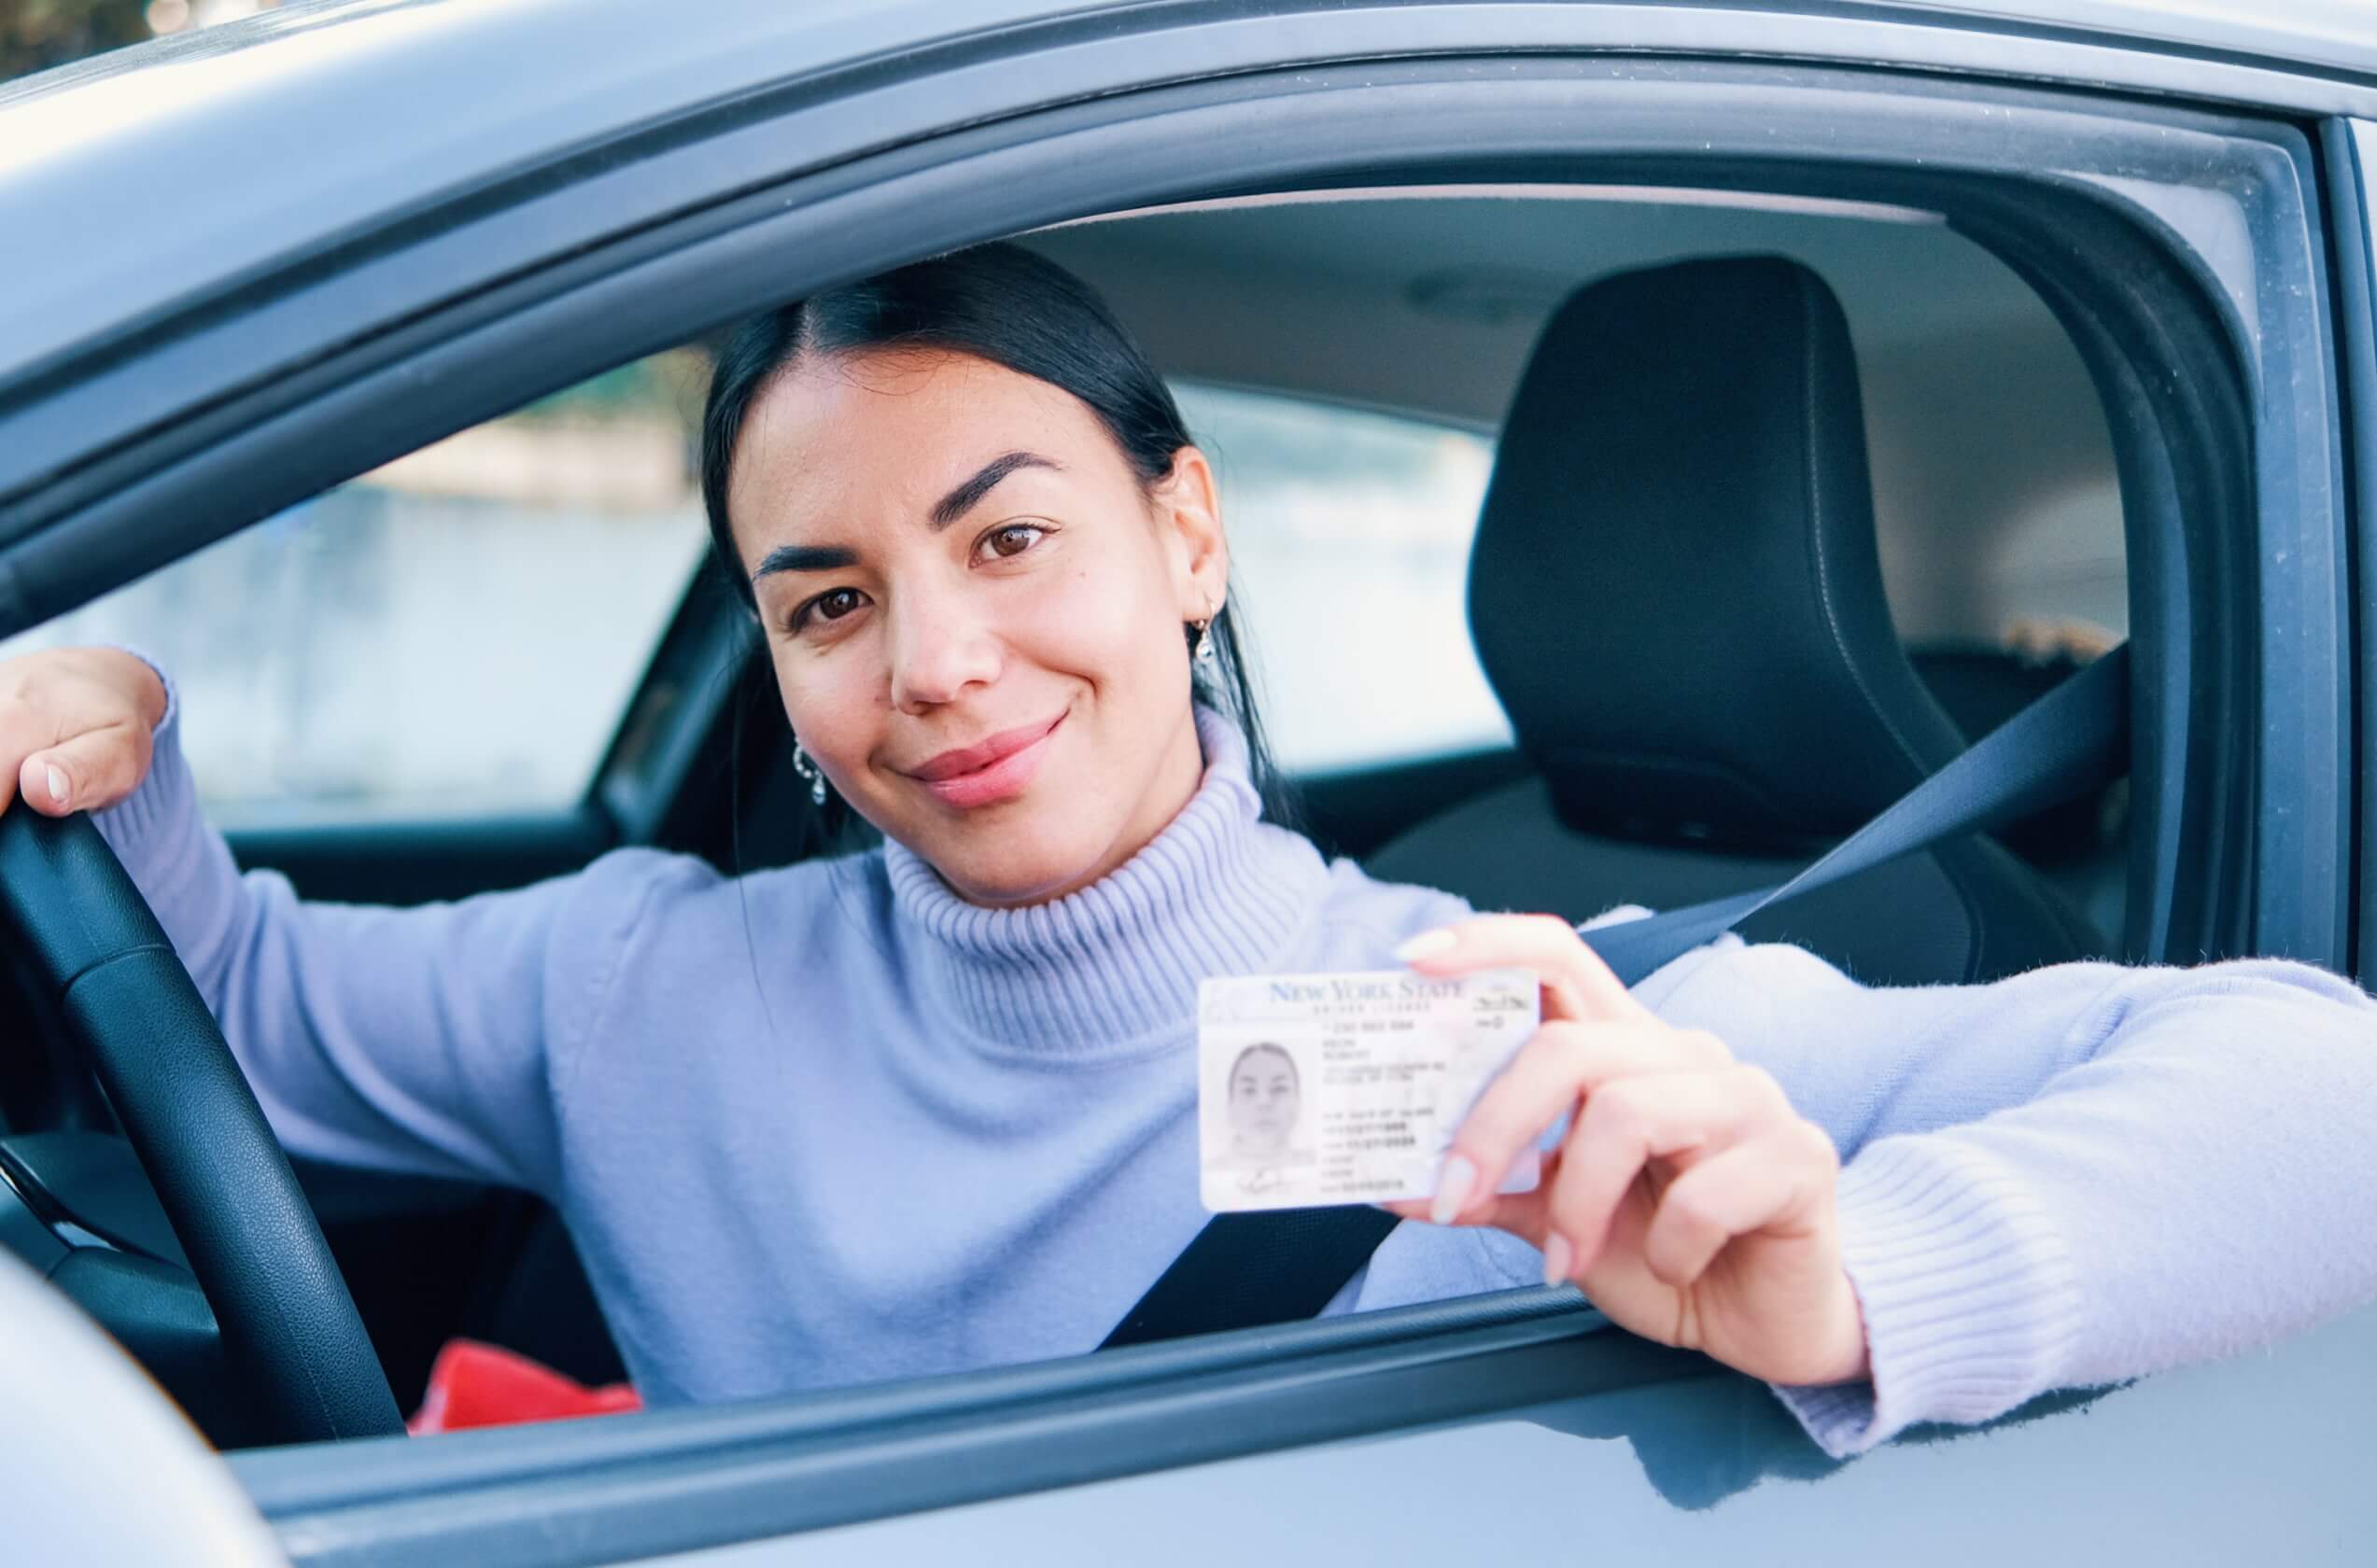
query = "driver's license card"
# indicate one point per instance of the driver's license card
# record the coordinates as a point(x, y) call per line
point(1347, 1088)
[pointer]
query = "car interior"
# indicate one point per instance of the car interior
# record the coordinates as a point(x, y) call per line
point(1784, 502)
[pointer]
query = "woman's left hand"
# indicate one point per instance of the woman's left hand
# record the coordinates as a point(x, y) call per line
point(1690, 1201)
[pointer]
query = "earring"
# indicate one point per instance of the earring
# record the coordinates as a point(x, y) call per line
point(808, 769)
point(1204, 653)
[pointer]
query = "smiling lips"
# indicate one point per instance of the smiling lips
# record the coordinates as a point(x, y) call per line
point(992, 770)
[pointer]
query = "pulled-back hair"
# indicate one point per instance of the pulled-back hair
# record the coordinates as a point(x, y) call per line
point(1260, 1047)
point(1005, 305)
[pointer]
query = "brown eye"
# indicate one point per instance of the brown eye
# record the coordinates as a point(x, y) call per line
point(1012, 539)
point(831, 605)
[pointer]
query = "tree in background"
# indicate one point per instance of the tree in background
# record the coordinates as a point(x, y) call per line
point(35, 34)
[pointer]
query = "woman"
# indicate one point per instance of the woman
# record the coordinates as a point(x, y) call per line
point(933, 1106)
point(1263, 1095)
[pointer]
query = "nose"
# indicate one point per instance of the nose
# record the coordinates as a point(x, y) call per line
point(940, 645)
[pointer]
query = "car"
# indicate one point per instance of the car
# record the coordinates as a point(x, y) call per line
point(339, 349)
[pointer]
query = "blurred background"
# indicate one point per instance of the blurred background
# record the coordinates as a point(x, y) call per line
point(35, 34)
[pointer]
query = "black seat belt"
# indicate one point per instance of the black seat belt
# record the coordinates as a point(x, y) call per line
point(1255, 1269)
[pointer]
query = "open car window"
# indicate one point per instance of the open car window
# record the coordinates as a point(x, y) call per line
point(1350, 534)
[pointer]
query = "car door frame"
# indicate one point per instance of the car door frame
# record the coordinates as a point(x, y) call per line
point(2350, 149)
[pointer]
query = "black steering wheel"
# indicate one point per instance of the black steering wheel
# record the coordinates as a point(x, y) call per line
point(89, 942)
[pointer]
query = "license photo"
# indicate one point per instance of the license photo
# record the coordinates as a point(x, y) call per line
point(1318, 1090)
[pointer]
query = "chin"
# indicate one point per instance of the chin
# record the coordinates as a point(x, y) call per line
point(1016, 874)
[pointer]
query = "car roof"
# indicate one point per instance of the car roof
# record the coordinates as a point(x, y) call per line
point(271, 138)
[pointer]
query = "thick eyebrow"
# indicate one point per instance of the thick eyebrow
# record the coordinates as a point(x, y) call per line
point(960, 501)
point(947, 510)
point(806, 557)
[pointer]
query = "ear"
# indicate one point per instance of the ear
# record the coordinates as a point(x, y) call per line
point(1188, 511)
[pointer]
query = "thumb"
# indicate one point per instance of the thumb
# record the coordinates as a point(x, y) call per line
point(88, 773)
point(1526, 1216)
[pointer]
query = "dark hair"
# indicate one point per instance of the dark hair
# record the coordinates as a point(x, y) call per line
point(1005, 305)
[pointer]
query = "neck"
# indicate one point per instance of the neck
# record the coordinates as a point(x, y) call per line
point(1113, 966)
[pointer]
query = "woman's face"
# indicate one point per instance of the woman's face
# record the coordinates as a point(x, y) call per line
point(1264, 1100)
point(975, 608)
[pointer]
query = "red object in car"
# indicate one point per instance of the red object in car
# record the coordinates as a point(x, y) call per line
point(471, 1384)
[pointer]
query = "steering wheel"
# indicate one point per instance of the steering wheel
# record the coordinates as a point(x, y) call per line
point(92, 945)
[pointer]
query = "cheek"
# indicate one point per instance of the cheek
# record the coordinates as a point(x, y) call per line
point(832, 703)
point(1110, 622)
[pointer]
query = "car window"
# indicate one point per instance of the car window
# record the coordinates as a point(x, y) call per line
point(1996, 504)
point(1349, 537)
point(455, 634)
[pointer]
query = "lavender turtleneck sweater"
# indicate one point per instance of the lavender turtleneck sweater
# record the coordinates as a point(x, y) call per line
point(830, 1123)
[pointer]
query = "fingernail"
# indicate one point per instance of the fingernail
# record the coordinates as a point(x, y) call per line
point(1453, 1189)
point(1426, 945)
point(1558, 1258)
point(57, 784)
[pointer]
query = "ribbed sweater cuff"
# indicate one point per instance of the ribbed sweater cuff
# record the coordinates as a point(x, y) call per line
point(1971, 1302)
point(163, 799)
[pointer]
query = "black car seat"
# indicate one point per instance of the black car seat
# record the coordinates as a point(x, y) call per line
point(1676, 593)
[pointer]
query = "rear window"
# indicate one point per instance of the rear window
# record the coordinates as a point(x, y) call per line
point(1349, 539)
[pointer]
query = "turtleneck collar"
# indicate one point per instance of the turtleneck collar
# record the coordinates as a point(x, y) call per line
point(1218, 891)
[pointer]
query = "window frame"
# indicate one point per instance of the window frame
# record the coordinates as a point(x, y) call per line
point(2206, 699)
point(2350, 149)
point(776, 1467)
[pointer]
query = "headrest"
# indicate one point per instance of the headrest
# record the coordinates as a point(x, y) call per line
point(1675, 589)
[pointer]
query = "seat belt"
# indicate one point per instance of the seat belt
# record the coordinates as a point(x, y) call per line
point(1250, 1270)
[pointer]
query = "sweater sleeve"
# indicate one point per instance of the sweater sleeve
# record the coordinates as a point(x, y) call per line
point(423, 1040)
point(2070, 1178)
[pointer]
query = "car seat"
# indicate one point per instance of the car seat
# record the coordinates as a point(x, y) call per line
point(1676, 593)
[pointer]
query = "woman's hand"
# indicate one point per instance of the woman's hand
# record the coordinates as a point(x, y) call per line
point(1690, 1201)
point(77, 727)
